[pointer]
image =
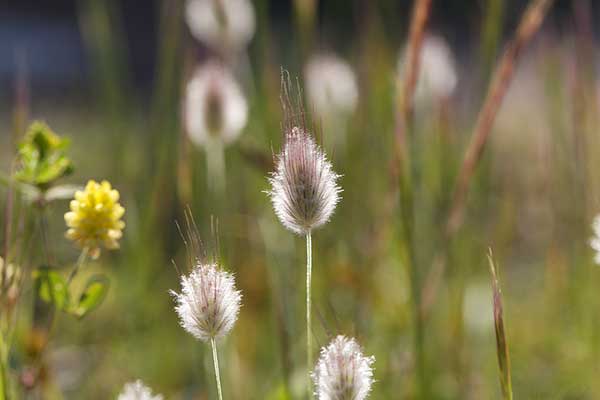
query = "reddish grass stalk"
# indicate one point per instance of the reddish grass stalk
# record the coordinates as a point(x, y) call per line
point(405, 101)
point(529, 25)
point(501, 343)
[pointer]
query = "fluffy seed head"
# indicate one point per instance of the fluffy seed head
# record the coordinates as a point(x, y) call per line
point(221, 23)
point(209, 303)
point(137, 391)
point(95, 217)
point(214, 106)
point(331, 85)
point(304, 189)
point(437, 73)
point(342, 372)
point(595, 240)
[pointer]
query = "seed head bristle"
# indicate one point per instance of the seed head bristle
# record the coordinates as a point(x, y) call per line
point(137, 391)
point(304, 188)
point(343, 372)
point(209, 303)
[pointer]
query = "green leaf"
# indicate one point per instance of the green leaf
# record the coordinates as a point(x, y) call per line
point(501, 342)
point(42, 157)
point(94, 293)
point(51, 287)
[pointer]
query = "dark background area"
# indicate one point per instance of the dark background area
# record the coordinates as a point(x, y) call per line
point(45, 35)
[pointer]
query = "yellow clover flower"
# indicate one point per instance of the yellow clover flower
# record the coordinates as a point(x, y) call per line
point(95, 218)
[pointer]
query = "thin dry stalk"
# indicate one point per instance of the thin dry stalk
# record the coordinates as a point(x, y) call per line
point(405, 102)
point(529, 25)
point(501, 343)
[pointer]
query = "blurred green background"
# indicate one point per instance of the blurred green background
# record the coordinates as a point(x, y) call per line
point(111, 76)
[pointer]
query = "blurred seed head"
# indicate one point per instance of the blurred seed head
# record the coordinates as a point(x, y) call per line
point(304, 189)
point(221, 23)
point(209, 303)
point(437, 72)
point(95, 217)
point(331, 85)
point(137, 391)
point(595, 240)
point(343, 372)
point(214, 106)
point(10, 279)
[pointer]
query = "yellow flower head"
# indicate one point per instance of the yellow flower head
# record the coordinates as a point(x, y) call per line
point(95, 217)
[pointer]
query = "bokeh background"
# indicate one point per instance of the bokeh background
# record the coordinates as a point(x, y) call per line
point(112, 76)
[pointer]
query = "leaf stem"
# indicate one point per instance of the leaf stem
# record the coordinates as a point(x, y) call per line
point(216, 363)
point(80, 261)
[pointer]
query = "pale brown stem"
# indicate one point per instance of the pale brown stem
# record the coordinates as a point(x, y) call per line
point(528, 26)
point(405, 101)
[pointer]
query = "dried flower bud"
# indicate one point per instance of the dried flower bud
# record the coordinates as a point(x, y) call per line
point(10, 279)
point(209, 303)
point(343, 372)
point(137, 391)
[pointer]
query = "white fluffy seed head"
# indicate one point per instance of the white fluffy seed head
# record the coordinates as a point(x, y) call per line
point(214, 106)
point(343, 372)
point(437, 71)
point(209, 303)
point(595, 240)
point(304, 189)
point(221, 23)
point(137, 391)
point(331, 85)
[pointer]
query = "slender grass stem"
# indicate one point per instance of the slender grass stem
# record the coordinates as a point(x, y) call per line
point(80, 261)
point(215, 167)
point(408, 224)
point(44, 234)
point(216, 363)
point(501, 341)
point(309, 360)
point(4, 392)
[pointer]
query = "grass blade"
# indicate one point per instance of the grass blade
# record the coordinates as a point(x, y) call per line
point(501, 342)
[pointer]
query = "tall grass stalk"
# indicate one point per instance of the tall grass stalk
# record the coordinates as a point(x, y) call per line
point(309, 359)
point(528, 26)
point(406, 176)
point(501, 342)
point(530, 23)
point(216, 363)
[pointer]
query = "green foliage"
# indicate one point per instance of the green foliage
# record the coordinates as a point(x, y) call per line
point(52, 288)
point(94, 293)
point(42, 157)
